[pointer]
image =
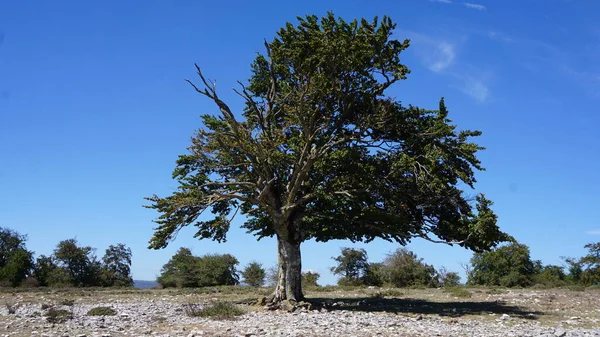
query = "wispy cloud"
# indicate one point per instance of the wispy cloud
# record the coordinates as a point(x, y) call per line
point(475, 87)
point(475, 6)
point(593, 232)
point(442, 1)
point(435, 54)
point(442, 57)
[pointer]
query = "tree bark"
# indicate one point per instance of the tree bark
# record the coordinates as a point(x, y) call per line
point(289, 276)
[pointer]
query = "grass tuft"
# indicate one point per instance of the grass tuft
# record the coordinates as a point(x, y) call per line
point(215, 310)
point(54, 315)
point(102, 311)
point(458, 292)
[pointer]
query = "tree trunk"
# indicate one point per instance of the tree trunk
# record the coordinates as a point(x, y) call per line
point(289, 276)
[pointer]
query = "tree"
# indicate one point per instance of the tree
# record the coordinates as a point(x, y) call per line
point(321, 152)
point(352, 265)
point(586, 270)
point(507, 266)
point(310, 278)
point(16, 262)
point(43, 269)
point(180, 271)
point(448, 278)
point(254, 274)
point(404, 268)
point(116, 266)
point(217, 270)
point(185, 270)
point(80, 262)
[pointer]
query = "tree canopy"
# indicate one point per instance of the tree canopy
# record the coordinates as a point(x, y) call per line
point(321, 151)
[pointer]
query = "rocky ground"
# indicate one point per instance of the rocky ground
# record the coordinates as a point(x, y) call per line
point(359, 312)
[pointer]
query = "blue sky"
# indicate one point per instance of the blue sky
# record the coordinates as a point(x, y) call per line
point(94, 111)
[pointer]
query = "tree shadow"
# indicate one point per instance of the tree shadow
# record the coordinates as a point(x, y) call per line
point(419, 306)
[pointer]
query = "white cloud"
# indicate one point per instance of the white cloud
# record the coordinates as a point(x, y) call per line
point(442, 1)
point(594, 232)
point(435, 54)
point(442, 57)
point(477, 88)
point(475, 6)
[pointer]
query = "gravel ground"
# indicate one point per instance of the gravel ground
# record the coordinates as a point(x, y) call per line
point(360, 313)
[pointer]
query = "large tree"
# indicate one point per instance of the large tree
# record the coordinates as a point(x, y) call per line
point(321, 152)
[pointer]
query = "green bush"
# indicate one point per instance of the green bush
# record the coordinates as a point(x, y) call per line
point(215, 310)
point(186, 270)
point(102, 311)
point(506, 266)
point(310, 278)
point(254, 274)
point(404, 269)
point(458, 292)
point(54, 315)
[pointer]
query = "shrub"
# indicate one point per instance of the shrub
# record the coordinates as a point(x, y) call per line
point(54, 315)
point(102, 311)
point(507, 266)
point(215, 310)
point(310, 278)
point(186, 270)
point(458, 292)
point(254, 274)
point(404, 269)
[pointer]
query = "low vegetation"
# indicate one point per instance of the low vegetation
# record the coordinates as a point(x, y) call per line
point(214, 310)
point(54, 315)
point(102, 311)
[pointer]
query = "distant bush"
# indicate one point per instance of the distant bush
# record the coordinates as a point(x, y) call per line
point(310, 278)
point(507, 266)
point(215, 310)
point(458, 292)
point(254, 274)
point(186, 270)
point(16, 262)
point(54, 315)
point(403, 268)
point(102, 311)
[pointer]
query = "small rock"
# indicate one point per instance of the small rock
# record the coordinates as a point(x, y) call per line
point(560, 333)
point(505, 317)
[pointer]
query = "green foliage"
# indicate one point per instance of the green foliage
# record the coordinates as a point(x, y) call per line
point(374, 275)
point(448, 278)
point(102, 311)
point(323, 152)
point(54, 315)
point(254, 274)
point(352, 265)
point(16, 262)
point(550, 276)
point(180, 271)
point(586, 270)
point(215, 310)
point(217, 270)
point(458, 291)
point(116, 266)
point(185, 270)
point(507, 266)
point(403, 268)
point(80, 263)
point(310, 278)
point(43, 269)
